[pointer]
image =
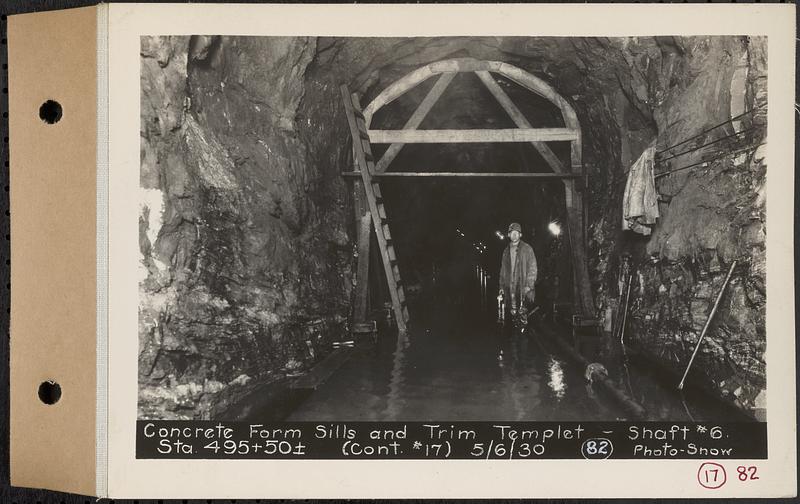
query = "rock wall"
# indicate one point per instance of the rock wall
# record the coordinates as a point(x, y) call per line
point(711, 214)
point(246, 256)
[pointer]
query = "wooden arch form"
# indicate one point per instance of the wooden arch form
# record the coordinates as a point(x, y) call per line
point(446, 70)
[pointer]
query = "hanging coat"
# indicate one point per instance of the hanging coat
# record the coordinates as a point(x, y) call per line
point(525, 271)
point(640, 201)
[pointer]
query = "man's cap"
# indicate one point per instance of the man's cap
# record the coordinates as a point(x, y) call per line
point(514, 226)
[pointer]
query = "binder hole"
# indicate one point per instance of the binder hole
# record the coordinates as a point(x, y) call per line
point(50, 112)
point(49, 392)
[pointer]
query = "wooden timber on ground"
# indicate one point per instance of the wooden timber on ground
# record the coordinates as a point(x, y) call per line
point(323, 370)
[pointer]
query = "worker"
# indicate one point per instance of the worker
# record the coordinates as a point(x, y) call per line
point(517, 270)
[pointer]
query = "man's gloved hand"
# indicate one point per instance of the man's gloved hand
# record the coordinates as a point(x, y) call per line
point(529, 294)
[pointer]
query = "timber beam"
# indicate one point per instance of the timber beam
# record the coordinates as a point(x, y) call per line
point(545, 176)
point(474, 135)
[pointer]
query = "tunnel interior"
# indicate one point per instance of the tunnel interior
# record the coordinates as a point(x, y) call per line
point(444, 226)
point(249, 232)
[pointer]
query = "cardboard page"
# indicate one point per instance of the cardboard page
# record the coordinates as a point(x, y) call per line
point(52, 56)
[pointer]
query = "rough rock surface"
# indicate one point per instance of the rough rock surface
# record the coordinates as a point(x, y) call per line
point(245, 253)
point(712, 214)
point(247, 231)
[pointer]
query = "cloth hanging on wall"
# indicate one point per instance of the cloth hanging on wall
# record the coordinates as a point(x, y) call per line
point(640, 201)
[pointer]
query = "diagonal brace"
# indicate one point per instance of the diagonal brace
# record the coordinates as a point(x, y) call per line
point(519, 119)
point(416, 119)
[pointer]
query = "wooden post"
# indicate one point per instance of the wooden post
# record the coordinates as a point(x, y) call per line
point(362, 273)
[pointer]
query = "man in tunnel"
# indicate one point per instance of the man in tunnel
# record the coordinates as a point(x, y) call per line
point(517, 269)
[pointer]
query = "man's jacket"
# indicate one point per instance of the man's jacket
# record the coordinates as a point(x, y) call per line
point(524, 271)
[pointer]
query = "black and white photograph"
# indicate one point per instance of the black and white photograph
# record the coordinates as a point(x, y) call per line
point(517, 229)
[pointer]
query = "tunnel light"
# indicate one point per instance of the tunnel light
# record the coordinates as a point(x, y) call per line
point(554, 228)
point(459, 232)
point(500, 235)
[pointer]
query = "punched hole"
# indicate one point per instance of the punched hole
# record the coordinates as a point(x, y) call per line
point(50, 112)
point(49, 392)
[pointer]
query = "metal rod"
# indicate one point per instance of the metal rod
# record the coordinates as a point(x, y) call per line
point(706, 161)
point(712, 128)
point(468, 174)
point(625, 313)
point(708, 322)
point(695, 149)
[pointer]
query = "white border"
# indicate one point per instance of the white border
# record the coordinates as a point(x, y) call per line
point(128, 477)
point(101, 419)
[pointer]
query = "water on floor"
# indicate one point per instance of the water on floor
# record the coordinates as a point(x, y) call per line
point(457, 363)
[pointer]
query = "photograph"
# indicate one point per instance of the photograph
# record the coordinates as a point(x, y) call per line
point(452, 228)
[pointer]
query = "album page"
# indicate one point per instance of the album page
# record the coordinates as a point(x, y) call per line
point(405, 251)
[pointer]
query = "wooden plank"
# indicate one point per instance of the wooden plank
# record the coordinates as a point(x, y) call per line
point(323, 370)
point(519, 119)
point(362, 272)
point(545, 176)
point(474, 135)
point(416, 118)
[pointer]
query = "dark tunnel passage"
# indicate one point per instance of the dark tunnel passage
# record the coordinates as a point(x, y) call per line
point(449, 226)
point(251, 218)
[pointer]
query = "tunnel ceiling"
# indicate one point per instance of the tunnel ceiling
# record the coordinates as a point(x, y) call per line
point(580, 69)
point(426, 213)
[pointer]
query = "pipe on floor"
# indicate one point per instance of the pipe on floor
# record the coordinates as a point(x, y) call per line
point(632, 407)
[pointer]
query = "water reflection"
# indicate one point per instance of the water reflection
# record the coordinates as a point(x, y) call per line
point(556, 381)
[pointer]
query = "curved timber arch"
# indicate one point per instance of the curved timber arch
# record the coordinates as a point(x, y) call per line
point(572, 176)
point(455, 65)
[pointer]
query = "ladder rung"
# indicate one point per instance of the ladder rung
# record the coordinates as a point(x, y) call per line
point(386, 233)
point(392, 255)
point(382, 212)
point(405, 314)
point(401, 295)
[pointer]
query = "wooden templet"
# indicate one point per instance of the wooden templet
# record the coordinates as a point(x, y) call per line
point(473, 135)
point(576, 199)
point(362, 151)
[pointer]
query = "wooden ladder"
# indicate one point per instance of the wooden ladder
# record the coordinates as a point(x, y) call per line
point(362, 152)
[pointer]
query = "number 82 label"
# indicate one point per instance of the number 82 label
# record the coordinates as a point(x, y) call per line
point(597, 448)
